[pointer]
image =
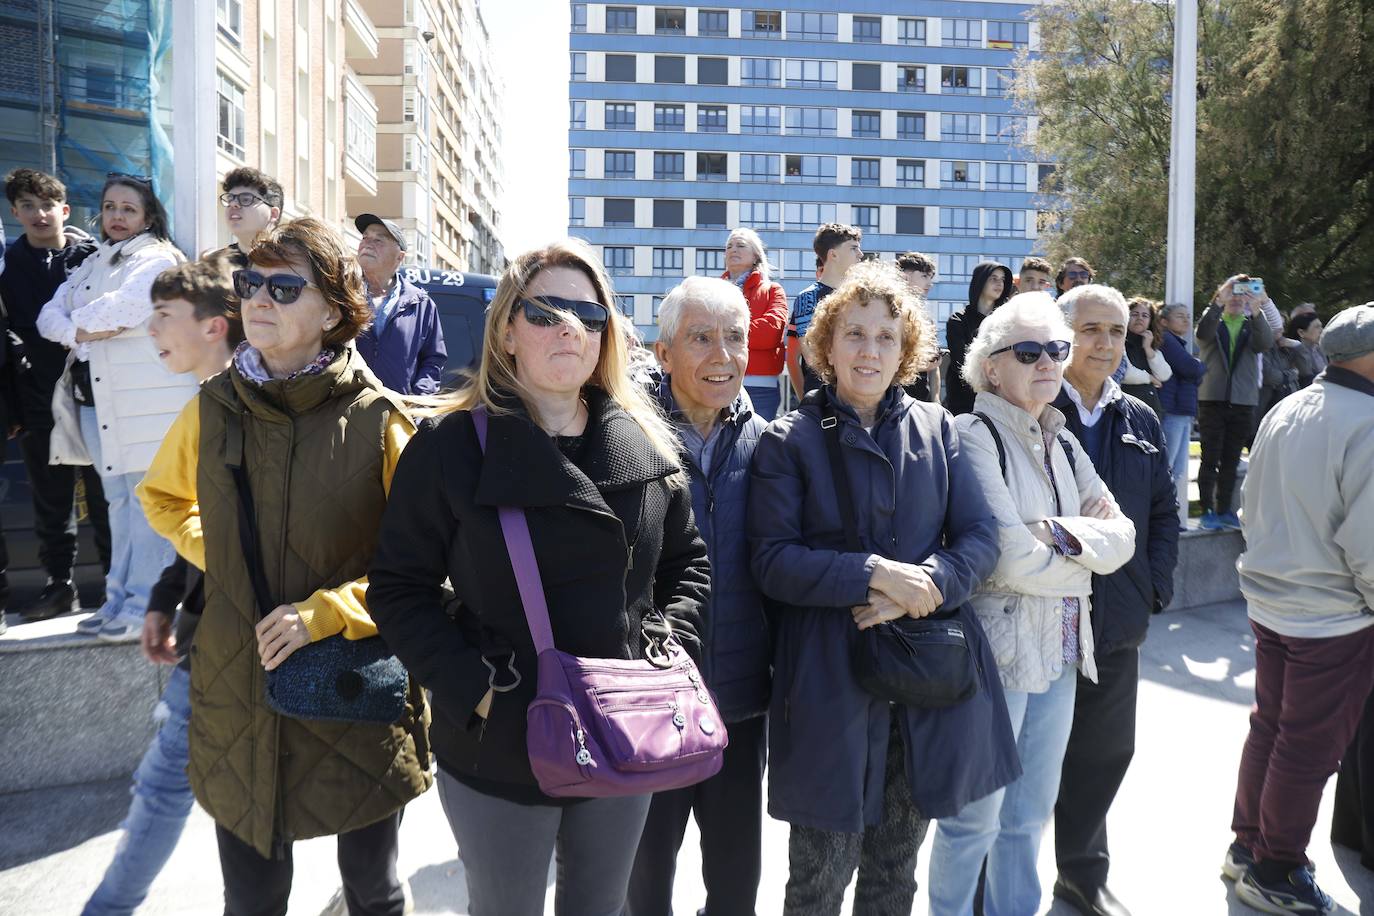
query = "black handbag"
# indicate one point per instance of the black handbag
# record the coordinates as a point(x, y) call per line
point(334, 679)
point(925, 662)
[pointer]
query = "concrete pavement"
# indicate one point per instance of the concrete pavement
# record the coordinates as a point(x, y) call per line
point(1168, 828)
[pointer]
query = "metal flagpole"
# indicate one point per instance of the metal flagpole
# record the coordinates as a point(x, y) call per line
point(1178, 282)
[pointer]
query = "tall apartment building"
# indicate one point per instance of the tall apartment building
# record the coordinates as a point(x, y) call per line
point(437, 103)
point(689, 120)
point(341, 107)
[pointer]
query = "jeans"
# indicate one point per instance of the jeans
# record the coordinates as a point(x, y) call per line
point(1223, 429)
point(162, 802)
point(53, 488)
point(763, 391)
point(729, 810)
point(1006, 826)
point(506, 846)
point(254, 886)
point(1178, 429)
point(1309, 694)
point(138, 555)
point(821, 862)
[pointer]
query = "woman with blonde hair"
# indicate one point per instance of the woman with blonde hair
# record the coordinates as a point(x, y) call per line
point(273, 481)
point(864, 512)
point(746, 265)
point(577, 444)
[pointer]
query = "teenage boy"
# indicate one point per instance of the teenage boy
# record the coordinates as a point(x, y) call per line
point(919, 272)
point(252, 202)
point(838, 247)
point(1036, 276)
point(193, 333)
point(36, 264)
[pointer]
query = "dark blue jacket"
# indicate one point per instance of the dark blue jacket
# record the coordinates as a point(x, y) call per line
point(1179, 394)
point(918, 501)
point(409, 357)
point(736, 651)
point(1135, 468)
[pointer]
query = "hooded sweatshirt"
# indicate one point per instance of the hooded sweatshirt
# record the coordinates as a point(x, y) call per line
point(962, 327)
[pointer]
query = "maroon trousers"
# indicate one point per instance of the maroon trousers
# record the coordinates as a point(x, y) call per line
point(1309, 694)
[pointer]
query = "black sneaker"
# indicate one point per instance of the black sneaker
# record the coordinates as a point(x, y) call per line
point(1296, 892)
point(57, 597)
point(1237, 862)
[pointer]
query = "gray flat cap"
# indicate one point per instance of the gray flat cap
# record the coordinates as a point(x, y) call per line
point(1350, 334)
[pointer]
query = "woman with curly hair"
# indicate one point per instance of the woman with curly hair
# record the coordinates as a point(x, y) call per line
point(299, 441)
point(855, 775)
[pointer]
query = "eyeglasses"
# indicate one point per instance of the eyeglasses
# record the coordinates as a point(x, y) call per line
point(244, 199)
point(542, 311)
point(141, 179)
point(283, 289)
point(1028, 351)
point(1078, 275)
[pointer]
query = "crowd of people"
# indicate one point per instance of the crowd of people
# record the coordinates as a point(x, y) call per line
point(341, 551)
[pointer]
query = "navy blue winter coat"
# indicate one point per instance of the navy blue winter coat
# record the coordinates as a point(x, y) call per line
point(1179, 394)
point(918, 501)
point(736, 650)
point(1135, 467)
point(409, 356)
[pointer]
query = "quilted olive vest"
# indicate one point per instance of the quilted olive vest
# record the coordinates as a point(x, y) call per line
point(313, 451)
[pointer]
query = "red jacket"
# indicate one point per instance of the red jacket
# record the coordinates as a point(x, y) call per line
point(767, 320)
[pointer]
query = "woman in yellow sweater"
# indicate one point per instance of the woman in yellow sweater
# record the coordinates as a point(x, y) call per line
point(318, 439)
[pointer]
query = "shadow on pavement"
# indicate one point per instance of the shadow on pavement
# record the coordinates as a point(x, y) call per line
point(440, 888)
point(45, 821)
point(1206, 650)
point(1360, 879)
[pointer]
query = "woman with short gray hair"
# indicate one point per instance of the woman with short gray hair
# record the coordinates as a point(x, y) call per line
point(746, 265)
point(1058, 526)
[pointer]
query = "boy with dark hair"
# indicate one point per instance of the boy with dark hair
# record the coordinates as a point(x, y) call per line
point(838, 248)
point(195, 332)
point(919, 271)
point(1036, 276)
point(252, 202)
point(36, 264)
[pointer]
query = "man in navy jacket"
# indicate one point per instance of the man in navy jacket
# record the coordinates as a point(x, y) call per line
point(404, 345)
point(1122, 436)
point(703, 346)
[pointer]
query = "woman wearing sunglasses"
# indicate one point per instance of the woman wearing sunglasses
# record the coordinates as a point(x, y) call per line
point(116, 400)
point(575, 442)
point(1058, 526)
point(318, 440)
point(855, 775)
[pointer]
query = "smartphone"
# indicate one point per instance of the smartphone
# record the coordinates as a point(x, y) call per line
point(1254, 286)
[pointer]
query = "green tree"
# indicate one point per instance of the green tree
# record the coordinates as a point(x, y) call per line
point(1285, 141)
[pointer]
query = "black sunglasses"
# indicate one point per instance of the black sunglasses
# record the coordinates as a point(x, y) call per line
point(141, 179)
point(283, 289)
point(1028, 351)
point(543, 312)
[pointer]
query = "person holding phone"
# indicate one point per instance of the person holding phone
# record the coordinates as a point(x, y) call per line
point(1230, 341)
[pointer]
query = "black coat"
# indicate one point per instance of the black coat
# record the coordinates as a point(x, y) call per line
point(962, 327)
point(615, 543)
point(1135, 467)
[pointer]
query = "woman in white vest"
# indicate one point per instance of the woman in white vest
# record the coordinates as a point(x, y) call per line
point(116, 401)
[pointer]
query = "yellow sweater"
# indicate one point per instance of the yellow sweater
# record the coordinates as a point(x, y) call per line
point(168, 494)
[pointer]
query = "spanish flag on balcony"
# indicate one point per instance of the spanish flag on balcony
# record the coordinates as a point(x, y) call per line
point(1000, 44)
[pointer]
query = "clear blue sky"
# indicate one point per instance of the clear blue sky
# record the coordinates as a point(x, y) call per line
point(530, 51)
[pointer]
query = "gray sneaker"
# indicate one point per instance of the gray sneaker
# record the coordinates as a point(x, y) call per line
point(93, 624)
point(123, 627)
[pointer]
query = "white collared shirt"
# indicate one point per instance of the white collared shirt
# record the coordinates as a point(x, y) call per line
point(1111, 391)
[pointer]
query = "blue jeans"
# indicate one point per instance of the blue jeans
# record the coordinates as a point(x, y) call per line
point(1006, 826)
point(138, 555)
point(162, 802)
point(766, 397)
point(1178, 432)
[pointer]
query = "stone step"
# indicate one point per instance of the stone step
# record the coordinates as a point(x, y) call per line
point(1206, 570)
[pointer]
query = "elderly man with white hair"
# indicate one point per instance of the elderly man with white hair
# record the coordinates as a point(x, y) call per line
point(703, 347)
point(1057, 526)
point(1122, 437)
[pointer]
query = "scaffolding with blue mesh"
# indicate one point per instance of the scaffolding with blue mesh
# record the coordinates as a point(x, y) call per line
point(79, 96)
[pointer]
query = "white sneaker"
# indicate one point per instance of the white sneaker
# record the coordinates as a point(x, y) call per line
point(123, 627)
point(93, 624)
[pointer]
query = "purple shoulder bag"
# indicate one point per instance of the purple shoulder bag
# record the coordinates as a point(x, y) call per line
point(603, 727)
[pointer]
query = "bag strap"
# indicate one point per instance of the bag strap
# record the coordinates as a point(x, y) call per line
point(1068, 452)
point(830, 426)
point(515, 529)
point(996, 440)
point(248, 522)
